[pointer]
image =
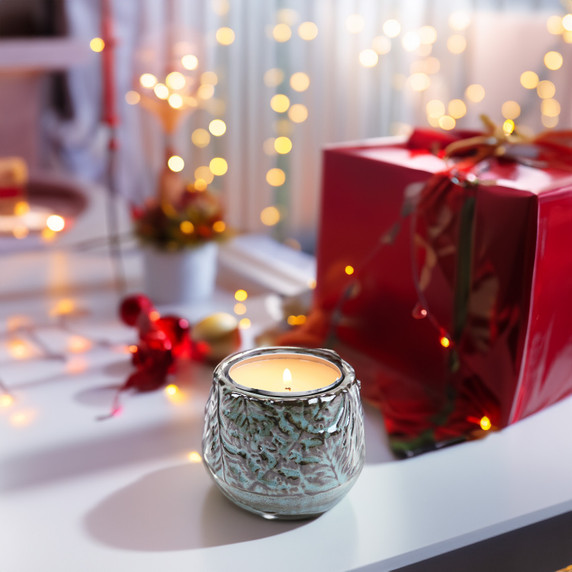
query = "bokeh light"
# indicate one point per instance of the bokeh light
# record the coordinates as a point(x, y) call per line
point(241, 295)
point(435, 108)
point(275, 177)
point(553, 60)
point(190, 62)
point(218, 166)
point(456, 44)
point(225, 36)
point(280, 103)
point(381, 44)
point(308, 31)
point(270, 216)
point(217, 127)
point(200, 137)
point(205, 91)
point(147, 80)
point(273, 77)
point(457, 108)
point(419, 81)
point(427, 35)
point(161, 91)
point(203, 172)
point(240, 308)
point(550, 107)
point(529, 79)
point(282, 145)
point(554, 25)
point(209, 78)
point(475, 92)
point(368, 58)
point(510, 109)
point(132, 97)
point(55, 223)
point(545, 89)
point(567, 22)
point(175, 80)
point(299, 81)
point(447, 122)
point(282, 32)
point(298, 113)
point(187, 227)
point(410, 41)
point(97, 45)
point(176, 163)
point(175, 100)
point(6, 400)
point(194, 457)
point(391, 28)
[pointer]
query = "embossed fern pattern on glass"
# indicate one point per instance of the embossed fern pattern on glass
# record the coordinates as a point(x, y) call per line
point(298, 448)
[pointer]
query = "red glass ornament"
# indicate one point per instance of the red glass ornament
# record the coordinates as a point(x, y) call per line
point(177, 331)
point(132, 308)
point(146, 379)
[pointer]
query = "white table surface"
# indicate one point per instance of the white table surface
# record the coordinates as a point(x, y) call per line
point(122, 494)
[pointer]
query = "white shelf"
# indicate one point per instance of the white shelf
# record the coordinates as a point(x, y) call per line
point(78, 494)
point(41, 55)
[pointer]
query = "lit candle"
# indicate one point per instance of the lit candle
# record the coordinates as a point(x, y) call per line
point(285, 373)
point(283, 434)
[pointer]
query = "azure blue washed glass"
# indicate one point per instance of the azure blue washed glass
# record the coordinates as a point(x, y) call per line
point(288, 456)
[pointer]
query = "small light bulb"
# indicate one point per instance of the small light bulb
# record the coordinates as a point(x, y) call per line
point(445, 341)
point(485, 423)
point(240, 295)
point(6, 400)
point(97, 45)
point(55, 223)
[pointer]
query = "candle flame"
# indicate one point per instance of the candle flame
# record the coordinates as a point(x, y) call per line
point(287, 375)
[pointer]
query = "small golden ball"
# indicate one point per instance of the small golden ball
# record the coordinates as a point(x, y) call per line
point(220, 333)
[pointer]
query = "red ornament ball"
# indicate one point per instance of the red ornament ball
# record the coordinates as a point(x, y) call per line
point(133, 307)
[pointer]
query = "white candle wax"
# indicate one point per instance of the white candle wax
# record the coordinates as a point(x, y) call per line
point(285, 373)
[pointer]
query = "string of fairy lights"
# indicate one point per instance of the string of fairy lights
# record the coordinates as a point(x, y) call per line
point(180, 92)
point(189, 88)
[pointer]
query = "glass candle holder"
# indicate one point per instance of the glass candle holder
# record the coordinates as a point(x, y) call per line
point(283, 434)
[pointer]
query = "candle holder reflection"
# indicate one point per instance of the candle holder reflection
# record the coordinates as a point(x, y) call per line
point(283, 434)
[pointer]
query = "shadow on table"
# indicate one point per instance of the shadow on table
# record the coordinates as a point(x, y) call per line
point(176, 509)
point(52, 464)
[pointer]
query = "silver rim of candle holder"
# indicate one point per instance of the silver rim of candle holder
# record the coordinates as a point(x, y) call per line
point(222, 371)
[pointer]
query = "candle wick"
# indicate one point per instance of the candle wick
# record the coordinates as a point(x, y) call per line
point(288, 389)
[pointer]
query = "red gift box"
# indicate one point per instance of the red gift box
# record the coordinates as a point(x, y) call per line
point(458, 313)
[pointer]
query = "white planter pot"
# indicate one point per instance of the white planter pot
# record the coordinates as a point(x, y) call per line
point(183, 277)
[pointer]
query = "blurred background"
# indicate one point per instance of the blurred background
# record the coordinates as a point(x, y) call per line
point(243, 95)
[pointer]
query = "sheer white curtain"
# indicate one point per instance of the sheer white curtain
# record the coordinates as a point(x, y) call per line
point(367, 78)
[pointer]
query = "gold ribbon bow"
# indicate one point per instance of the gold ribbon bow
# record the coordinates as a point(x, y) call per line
point(548, 148)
